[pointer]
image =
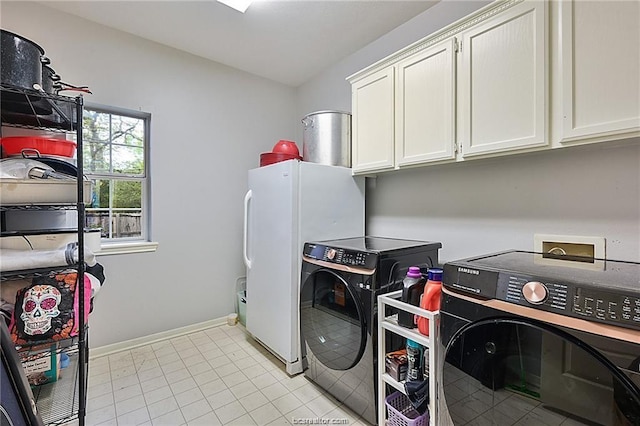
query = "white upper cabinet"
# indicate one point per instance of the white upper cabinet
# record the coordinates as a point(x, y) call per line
point(598, 70)
point(515, 76)
point(425, 105)
point(373, 122)
point(503, 82)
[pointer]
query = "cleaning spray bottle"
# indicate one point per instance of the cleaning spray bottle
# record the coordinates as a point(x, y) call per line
point(431, 297)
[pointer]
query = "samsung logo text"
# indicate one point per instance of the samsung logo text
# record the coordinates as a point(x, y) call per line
point(468, 271)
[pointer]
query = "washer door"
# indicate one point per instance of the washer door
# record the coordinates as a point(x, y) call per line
point(507, 371)
point(331, 320)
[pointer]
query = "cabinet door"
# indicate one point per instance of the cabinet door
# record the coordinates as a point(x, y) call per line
point(503, 81)
point(425, 106)
point(373, 122)
point(600, 66)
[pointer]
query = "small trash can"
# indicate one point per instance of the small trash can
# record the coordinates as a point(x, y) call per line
point(242, 307)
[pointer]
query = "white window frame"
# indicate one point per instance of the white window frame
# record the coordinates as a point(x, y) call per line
point(133, 244)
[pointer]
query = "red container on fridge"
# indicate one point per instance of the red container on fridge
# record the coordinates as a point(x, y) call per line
point(14, 145)
point(267, 158)
point(430, 298)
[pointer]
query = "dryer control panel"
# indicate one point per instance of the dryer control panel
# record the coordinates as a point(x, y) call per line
point(340, 256)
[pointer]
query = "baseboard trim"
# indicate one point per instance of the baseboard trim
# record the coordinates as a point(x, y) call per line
point(154, 338)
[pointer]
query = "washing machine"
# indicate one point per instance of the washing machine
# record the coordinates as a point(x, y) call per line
point(530, 338)
point(341, 280)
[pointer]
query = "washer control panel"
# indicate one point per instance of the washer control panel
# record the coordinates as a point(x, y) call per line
point(340, 256)
point(606, 306)
point(568, 299)
point(529, 291)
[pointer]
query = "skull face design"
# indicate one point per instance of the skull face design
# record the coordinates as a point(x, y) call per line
point(39, 306)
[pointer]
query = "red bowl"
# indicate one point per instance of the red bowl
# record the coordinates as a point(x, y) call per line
point(13, 145)
point(267, 158)
point(286, 147)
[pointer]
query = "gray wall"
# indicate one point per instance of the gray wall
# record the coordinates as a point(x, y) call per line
point(494, 204)
point(209, 125)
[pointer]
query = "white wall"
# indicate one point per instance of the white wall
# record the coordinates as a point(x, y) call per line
point(209, 125)
point(496, 204)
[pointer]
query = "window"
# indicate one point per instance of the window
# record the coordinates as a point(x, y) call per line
point(115, 156)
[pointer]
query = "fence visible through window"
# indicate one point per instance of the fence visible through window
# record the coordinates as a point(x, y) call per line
point(121, 223)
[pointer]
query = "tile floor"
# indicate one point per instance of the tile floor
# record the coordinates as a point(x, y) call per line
point(219, 376)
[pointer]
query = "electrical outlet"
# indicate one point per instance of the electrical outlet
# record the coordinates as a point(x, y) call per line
point(571, 246)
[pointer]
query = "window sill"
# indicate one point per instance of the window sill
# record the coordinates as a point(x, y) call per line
point(127, 248)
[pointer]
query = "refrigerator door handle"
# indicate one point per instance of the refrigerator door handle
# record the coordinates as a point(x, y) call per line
point(245, 254)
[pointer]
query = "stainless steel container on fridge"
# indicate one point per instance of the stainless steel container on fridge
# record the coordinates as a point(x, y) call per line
point(327, 138)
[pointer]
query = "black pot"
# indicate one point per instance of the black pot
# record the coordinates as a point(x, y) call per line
point(21, 69)
point(21, 65)
point(49, 79)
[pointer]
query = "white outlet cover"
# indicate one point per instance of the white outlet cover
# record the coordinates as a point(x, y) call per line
point(598, 243)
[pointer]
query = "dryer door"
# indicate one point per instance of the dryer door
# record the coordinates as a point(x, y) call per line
point(331, 320)
point(512, 371)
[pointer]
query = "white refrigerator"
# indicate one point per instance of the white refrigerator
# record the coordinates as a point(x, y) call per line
point(288, 204)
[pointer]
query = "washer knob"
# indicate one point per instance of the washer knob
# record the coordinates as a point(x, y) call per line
point(331, 253)
point(535, 292)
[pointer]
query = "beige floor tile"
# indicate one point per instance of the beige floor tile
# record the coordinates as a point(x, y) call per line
point(136, 417)
point(243, 389)
point(162, 407)
point(209, 419)
point(264, 380)
point(275, 391)
point(279, 421)
point(221, 399)
point(287, 403)
point(230, 412)
point(176, 376)
point(253, 401)
point(100, 402)
point(195, 410)
point(101, 415)
point(189, 397)
point(183, 385)
point(158, 395)
point(234, 379)
point(126, 393)
point(129, 405)
point(199, 368)
point(153, 384)
point(206, 377)
point(173, 418)
point(265, 414)
point(245, 420)
point(150, 373)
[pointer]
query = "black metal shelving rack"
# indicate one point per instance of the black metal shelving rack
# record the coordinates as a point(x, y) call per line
point(65, 399)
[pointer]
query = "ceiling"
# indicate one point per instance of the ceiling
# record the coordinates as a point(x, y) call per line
point(285, 41)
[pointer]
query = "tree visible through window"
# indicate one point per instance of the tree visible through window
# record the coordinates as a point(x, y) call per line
point(115, 158)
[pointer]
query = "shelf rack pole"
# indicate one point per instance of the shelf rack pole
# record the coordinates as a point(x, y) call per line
point(82, 350)
point(382, 350)
point(387, 324)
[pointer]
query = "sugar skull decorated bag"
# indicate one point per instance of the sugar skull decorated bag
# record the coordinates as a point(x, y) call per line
point(48, 309)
